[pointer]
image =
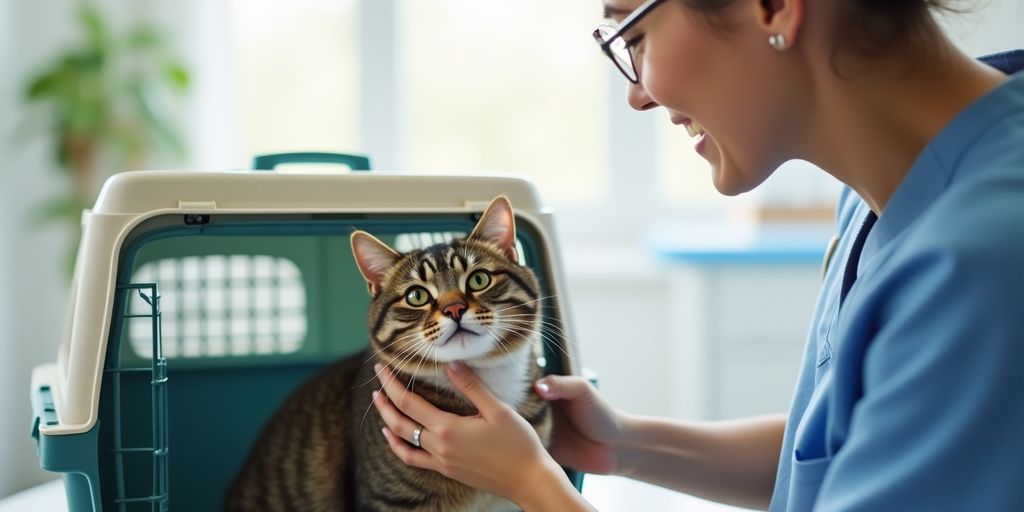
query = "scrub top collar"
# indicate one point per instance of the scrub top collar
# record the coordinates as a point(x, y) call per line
point(937, 165)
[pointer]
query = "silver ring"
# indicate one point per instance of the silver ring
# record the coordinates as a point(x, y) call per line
point(416, 436)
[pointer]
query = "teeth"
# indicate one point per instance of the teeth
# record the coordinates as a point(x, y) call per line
point(694, 129)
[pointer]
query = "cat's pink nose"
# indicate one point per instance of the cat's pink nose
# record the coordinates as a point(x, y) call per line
point(455, 310)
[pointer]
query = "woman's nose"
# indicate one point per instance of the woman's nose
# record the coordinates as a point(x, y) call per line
point(637, 97)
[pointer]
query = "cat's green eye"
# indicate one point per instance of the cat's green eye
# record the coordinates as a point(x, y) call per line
point(478, 280)
point(417, 296)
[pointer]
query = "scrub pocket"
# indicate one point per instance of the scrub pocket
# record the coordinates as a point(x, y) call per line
point(806, 481)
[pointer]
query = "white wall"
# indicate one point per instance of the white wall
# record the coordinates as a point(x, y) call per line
point(990, 26)
point(33, 294)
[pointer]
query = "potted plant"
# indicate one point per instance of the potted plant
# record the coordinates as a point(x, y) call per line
point(107, 105)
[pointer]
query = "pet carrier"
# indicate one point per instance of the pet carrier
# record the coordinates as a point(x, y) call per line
point(201, 300)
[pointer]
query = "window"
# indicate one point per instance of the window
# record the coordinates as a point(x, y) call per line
point(297, 66)
point(465, 86)
point(507, 88)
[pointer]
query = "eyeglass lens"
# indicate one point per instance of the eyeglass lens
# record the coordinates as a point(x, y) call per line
point(620, 54)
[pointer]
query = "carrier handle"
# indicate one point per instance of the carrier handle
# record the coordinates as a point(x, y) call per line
point(270, 161)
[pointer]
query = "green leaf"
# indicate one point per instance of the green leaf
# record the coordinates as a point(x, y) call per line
point(89, 114)
point(61, 152)
point(144, 37)
point(43, 85)
point(177, 75)
point(95, 29)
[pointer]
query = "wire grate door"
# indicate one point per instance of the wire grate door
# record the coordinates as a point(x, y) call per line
point(130, 461)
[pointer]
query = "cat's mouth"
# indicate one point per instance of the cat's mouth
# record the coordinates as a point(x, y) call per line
point(461, 334)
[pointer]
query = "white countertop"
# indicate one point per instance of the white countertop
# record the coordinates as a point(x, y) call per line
point(606, 493)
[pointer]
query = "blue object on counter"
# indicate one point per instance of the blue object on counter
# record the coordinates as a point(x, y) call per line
point(721, 243)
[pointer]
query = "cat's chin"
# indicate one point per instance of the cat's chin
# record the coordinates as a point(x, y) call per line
point(463, 345)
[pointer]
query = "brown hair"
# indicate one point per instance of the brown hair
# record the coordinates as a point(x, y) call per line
point(867, 28)
point(870, 28)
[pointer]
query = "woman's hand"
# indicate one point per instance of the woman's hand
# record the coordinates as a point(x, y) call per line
point(586, 430)
point(496, 451)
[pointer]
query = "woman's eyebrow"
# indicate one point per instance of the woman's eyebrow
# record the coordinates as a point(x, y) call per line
point(612, 11)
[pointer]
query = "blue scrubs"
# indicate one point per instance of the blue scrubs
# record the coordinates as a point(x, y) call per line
point(911, 395)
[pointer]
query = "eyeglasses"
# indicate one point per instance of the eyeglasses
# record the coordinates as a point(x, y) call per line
point(618, 49)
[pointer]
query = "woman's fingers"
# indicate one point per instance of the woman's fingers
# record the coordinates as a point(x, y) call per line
point(401, 431)
point(407, 402)
point(408, 453)
point(561, 387)
point(398, 423)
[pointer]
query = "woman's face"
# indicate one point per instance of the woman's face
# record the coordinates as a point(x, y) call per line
point(727, 80)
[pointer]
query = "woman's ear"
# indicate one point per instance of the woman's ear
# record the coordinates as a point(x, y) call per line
point(780, 18)
point(498, 226)
point(374, 259)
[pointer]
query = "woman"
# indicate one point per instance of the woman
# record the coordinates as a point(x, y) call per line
point(908, 397)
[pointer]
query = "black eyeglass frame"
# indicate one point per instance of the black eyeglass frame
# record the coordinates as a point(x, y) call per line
point(622, 28)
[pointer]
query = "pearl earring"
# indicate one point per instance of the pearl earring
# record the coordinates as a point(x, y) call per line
point(777, 41)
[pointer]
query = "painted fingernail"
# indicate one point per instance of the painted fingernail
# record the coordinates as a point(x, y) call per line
point(456, 366)
point(544, 388)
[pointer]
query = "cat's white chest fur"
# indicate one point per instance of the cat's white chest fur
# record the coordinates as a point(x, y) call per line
point(505, 377)
point(507, 380)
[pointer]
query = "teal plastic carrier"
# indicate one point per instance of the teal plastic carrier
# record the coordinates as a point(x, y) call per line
point(201, 300)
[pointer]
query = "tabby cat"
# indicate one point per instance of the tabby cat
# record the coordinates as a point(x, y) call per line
point(467, 300)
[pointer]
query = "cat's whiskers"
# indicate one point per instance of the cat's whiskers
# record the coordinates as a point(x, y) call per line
point(394, 375)
point(396, 360)
point(522, 333)
point(375, 354)
point(525, 329)
point(412, 381)
point(437, 377)
point(499, 341)
point(549, 327)
point(546, 336)
point(551, 324)
point(524, 303)
point(428, 355)
point(410, 352)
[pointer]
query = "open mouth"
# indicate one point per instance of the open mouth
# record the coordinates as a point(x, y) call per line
point(694, 129)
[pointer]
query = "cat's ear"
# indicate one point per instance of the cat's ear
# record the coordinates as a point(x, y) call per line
point(498, 226)
point(373, 257)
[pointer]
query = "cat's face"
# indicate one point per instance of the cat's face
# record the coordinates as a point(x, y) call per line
point(465, 300)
